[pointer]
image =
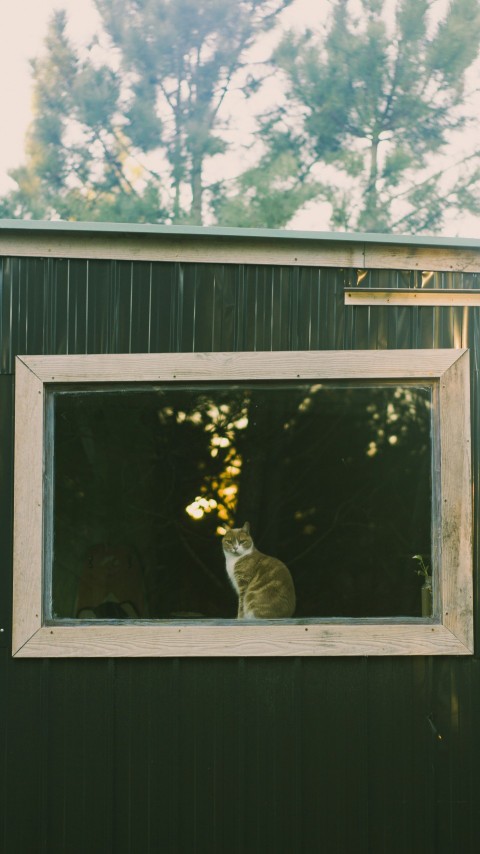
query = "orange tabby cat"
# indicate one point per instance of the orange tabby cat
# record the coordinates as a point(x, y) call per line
point(263, 583)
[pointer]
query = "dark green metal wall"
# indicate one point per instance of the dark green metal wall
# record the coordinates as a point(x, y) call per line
point(355, 756)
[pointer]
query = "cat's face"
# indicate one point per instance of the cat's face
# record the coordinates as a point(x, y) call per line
point(237, 541)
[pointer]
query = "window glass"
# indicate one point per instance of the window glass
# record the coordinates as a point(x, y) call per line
point(334, 479)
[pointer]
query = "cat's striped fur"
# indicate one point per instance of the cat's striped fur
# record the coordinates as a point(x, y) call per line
point(263, 584)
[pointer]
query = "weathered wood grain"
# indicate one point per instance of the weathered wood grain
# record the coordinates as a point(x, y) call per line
point(28, 500)
point(456, 502)
point(152, 367)
point(186, 249)
point(412, 297)
point(453, 635)
point(242, 248)
point(243, 640)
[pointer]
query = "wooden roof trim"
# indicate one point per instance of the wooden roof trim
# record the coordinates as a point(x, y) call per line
point(236, 246)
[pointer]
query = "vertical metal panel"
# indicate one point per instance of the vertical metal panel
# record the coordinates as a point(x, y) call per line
point(151, 780)
point(398, 728)
point(60, 757)
point(6, 506)
point(24, 757)
point(79, 755)
point(60, 306)
point(299, 755)
point(334, 760)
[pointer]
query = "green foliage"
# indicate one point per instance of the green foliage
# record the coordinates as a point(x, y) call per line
point(78, 159)
point(375, 102)
point(455, 46)
point(132, 128)
point(269, 194)
point(96, 93)
point(422, 568)
point(96, 125)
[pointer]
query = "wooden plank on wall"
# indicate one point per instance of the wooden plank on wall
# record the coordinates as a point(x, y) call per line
point(412, 297)
point(192, 249)
point(241, 249)
point(28, 500)
point(34, 637)
point(350, 637)
point(151, 367)
point(456, 500)
point(385, 256)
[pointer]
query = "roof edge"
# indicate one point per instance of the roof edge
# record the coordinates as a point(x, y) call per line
point(114, 229)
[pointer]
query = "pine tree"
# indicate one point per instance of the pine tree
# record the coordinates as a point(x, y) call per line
point(370, 110)
point(129, 129)
point(77, 161)
point(98, 127)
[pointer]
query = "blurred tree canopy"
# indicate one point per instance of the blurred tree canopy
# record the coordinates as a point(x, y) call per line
point(128, 138)
point(370, 108)
point(362, 116)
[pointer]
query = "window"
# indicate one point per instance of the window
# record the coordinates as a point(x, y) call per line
point(129, 470)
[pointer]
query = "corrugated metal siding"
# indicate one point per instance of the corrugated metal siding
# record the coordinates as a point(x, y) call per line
point(57, 306)
point(257, 755)
point(249, 755)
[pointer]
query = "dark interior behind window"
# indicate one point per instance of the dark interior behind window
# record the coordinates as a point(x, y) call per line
point(334, 478)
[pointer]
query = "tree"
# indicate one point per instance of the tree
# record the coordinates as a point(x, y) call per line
point(366, 113)
point(371, 109)
point(99, 126)
point(269, 193)
point(78, 165)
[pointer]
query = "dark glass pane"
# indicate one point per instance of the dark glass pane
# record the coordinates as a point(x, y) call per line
point(335, 480)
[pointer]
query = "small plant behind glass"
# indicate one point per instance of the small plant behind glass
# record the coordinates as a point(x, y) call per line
point(427, 590)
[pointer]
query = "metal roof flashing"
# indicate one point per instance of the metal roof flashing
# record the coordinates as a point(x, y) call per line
point(116, 229)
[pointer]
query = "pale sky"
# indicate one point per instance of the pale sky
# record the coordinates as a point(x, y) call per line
point(23, 25)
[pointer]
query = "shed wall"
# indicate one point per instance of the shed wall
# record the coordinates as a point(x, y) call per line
point(258, 755)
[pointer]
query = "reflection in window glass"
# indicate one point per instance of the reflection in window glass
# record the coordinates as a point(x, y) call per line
point(335, 480)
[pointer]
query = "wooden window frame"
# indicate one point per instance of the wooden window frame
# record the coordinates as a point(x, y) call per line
point(449, 633)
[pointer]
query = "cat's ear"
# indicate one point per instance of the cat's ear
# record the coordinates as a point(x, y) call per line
point(246, 527)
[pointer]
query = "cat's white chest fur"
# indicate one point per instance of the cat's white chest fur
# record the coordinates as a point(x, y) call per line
point(230, 561)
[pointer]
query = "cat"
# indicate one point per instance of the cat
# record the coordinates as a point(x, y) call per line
point(263, 584)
